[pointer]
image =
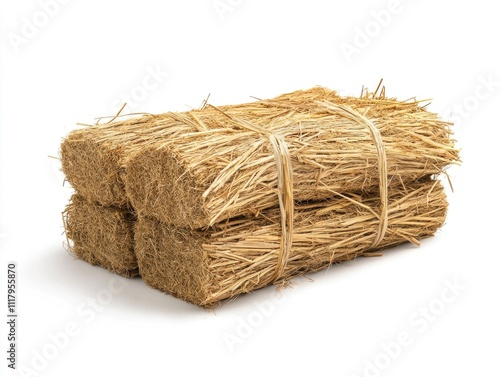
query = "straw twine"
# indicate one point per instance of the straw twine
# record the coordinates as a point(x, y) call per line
point(381, 159)
point(285, 190)
point(285, 178)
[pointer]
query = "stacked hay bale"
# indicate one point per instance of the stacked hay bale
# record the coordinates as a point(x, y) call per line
point(234, 198)
point(101, 235)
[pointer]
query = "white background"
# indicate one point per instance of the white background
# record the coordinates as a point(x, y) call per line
point(83, 58)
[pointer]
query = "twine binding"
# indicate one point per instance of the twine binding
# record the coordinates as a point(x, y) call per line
point(285, 180)
point(361, 119)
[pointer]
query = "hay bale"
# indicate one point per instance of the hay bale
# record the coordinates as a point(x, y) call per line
point(94, 163)
point(101, 235)
point(242, 254)
point(227, 167)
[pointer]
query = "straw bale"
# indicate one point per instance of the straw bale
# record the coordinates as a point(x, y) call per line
point(101, 235)
point(94, 166)
point(219, 163)
point(241, 254)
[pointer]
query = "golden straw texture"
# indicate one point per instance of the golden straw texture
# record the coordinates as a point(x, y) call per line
point(93, 159)
point(101, 235)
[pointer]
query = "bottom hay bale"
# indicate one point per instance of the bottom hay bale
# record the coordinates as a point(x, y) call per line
point(101, 235)
point(238, 256)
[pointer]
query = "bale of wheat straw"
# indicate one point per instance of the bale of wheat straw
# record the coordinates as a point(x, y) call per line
point(224, 168)
point(101, 235)
point(240, 255)
point(93, 158)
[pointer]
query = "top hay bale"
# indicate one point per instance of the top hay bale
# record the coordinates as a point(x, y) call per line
point(219, 163)
point(94, 158)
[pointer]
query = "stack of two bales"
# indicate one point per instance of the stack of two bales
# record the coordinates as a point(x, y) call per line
point(100, 220)
point(353, 175)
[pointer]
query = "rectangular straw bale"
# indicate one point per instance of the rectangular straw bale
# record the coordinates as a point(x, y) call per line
point(101, 236)
point(93, 158)
point(224, 168)
point(240, 255)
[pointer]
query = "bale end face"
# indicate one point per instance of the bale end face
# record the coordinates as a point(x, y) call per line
point(101, 235)
point(157, 184)
point(172, 261)
point(93, 169)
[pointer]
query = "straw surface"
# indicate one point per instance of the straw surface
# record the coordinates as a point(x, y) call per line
point(101, 235)
point(240, 255)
